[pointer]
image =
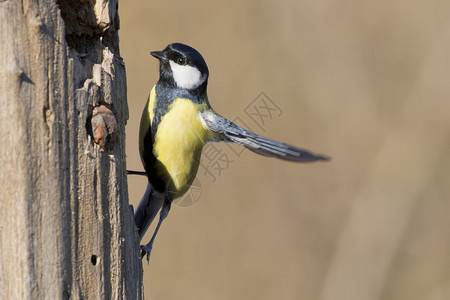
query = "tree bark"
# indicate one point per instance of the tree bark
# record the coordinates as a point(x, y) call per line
point(66, 228)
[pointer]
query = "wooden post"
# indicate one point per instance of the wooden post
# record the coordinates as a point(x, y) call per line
point(66, 228)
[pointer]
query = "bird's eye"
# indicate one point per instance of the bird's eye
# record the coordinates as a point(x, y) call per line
point(181, 61)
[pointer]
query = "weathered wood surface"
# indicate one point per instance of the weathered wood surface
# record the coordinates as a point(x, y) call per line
point(66, 229)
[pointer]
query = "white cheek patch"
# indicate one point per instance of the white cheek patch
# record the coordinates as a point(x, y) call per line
point(186, 77)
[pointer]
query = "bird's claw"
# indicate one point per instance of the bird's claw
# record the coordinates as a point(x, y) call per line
point(146, 251)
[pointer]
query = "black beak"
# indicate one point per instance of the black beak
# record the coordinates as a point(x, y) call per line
point(159, 54)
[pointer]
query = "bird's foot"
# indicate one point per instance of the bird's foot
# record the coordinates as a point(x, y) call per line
point(146, 250)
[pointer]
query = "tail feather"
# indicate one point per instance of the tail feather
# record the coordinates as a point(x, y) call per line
point(147, 209)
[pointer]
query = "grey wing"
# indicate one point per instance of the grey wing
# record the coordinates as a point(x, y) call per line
point(228, 131)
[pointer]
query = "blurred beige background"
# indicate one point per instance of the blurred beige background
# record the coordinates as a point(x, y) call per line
point(366, 82)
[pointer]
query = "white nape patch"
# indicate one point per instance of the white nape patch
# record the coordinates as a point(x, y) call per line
point(186, 77)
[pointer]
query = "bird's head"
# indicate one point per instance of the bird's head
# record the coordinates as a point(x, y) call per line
point(182, 66)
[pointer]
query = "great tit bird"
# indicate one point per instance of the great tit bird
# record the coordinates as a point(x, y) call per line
point(176, 123)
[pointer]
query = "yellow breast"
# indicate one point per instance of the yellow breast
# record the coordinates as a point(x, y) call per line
point(178, 144)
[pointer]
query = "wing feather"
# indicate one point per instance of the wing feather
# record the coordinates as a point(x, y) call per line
point(228, 131)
